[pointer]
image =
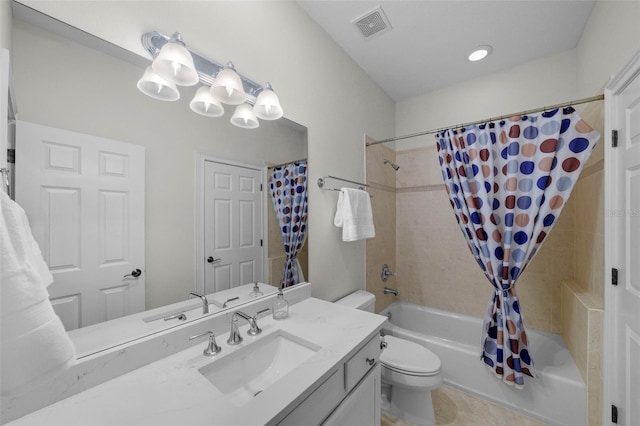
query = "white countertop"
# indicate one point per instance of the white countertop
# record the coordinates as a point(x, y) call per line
point(172, 391)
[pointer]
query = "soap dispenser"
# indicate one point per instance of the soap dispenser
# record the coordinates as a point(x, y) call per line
point(280, 307)
point(256, 290)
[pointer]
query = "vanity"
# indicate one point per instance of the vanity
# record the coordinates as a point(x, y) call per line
point(318, 366)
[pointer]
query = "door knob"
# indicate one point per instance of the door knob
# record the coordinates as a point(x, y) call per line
point(210, 259)
point(135, 273)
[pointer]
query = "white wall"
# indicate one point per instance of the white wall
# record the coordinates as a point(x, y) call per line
point(609, 40)
point(5, 24)
point(546, 81)
point(318, 84)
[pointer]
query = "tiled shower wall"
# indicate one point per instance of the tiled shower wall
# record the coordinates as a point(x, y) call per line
point(435, 267)
point(381, 249)
point(583, 296)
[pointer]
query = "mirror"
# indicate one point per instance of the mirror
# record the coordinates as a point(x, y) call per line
point(65, 84)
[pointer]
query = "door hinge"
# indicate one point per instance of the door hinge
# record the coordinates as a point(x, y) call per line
point(614, 138)
point(260, 187)
point(614, 414)
point(614, 276)
point(260, 243)
point(11, 156)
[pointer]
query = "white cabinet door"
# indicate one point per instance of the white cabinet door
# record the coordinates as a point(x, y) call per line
point(233, 205)
point(362, 406)
point(84, 197)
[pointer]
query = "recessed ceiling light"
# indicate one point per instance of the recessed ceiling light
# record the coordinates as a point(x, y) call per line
point(479, 53)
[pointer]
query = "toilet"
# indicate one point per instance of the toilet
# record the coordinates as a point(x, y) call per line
point(409, 371)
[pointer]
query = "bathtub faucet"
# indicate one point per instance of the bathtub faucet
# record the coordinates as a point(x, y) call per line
point(388, 290)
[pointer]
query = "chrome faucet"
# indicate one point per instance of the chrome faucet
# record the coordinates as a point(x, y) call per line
point(205, 302)
point(234, 334)
point(212, 348)
point(388, 290)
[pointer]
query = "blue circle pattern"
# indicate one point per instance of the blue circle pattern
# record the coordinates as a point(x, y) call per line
point(535, 162)
point(288, 190)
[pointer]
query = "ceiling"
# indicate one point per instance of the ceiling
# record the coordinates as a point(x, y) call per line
point(428, 44)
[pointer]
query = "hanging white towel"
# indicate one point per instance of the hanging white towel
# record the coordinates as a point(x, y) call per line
point(354, 215)
point(34, 344)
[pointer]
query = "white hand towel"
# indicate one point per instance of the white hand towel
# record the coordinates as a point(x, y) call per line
point(34, 344)
point(25, 275)
point(354, 215)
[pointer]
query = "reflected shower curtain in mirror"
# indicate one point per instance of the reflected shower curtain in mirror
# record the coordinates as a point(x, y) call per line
point(288, 189)
point(507, 182)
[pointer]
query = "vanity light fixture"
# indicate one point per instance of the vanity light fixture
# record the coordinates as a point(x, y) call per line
point(479, 53)
point(204, 103)
point(267, 105)
point(174, 63)
point(151, 84)
point(227, 87)
point(244, 117)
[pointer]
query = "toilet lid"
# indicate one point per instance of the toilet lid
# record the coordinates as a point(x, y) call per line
point(404, 355)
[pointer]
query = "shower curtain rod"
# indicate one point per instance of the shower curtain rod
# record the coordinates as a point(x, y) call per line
point(271, 166)
point(530, 111)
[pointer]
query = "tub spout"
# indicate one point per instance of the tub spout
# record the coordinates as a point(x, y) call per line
point(388, 290)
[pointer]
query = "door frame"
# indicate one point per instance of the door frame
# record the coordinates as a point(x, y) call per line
point(199, 261)
point(611, 256)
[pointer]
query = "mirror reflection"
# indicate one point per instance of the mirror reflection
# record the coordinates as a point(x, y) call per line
point(150, 230)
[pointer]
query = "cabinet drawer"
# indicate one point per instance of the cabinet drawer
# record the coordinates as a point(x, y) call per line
point(361, 362)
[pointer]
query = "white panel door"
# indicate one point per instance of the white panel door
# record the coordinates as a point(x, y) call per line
point(84, 197)
point(623, 249)
point(232, 226)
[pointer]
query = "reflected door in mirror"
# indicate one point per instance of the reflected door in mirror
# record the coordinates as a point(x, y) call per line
point(233, 223)
point(84, 197)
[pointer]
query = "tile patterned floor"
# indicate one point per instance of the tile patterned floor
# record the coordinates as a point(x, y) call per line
point(457, 408)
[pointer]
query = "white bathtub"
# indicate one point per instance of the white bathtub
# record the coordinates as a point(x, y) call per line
point(557, 396)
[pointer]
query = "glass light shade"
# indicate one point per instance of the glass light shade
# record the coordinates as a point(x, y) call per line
point(151, 84)
point(227, 87)
point(244, 117)
point(174, 63)
point(205, 104)
point(267, 105)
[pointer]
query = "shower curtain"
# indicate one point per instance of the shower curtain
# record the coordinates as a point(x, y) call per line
point(507, 182)
point(288, 189)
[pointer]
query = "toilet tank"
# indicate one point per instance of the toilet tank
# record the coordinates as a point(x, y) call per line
point(359, 299)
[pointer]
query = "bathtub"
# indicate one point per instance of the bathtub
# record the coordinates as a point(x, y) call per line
point(557, 396)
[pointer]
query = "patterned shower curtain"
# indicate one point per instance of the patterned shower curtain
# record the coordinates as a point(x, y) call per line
point(507, 182)
point(288, 189)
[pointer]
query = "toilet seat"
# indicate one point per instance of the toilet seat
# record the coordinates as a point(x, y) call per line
point(410, 358)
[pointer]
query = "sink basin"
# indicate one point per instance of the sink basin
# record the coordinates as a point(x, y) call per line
point(250, 370)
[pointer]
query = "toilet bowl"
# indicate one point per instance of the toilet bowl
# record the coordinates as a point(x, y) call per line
point(409, 371)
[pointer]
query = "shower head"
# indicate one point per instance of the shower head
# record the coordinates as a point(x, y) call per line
point(395, 166)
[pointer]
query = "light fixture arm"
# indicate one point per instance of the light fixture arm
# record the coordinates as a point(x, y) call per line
point(206, 68)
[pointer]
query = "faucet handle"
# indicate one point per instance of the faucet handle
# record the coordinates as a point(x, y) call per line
point(224, 305)
point(181, 316)
point(261, 311)
point(212, 348)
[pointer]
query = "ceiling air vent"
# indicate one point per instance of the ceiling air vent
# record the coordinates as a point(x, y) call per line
point(373, 22)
